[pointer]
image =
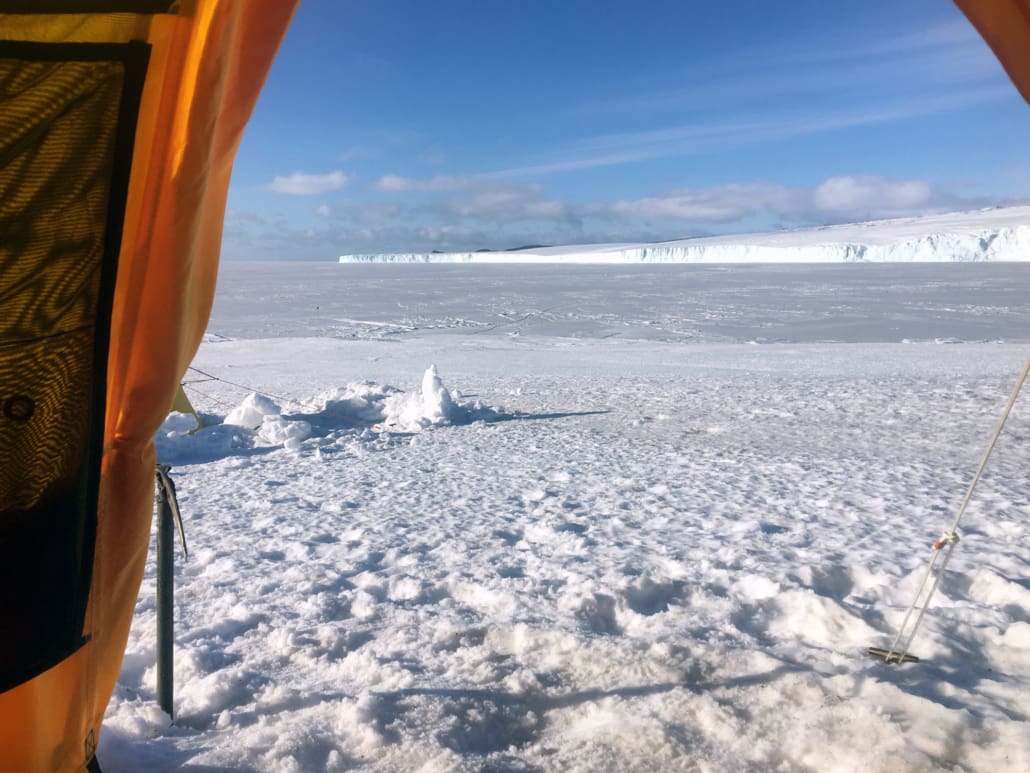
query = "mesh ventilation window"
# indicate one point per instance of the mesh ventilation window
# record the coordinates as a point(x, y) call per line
point(67, 117)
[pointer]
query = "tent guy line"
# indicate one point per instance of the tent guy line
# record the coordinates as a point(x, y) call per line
point(945, 545)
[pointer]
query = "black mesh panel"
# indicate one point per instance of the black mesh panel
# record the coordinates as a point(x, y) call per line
point(67, 118)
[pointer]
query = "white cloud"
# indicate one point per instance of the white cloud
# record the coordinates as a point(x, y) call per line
point(833, 200)
point(871, 194)
point(484, 199)
point(300, 184)
point(395, 183)
point(719, 204)
point(353, 153)
point(434, 156)
point(365, 212)
point(507, 204)
point(463, 213)
point(239, 216)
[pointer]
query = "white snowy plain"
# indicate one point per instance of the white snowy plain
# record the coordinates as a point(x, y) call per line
point(640, 519)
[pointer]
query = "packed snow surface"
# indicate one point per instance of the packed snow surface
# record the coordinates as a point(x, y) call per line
point(1001, 234)
point(469, 518)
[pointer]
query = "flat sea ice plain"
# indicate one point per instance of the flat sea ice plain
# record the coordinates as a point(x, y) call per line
point(638, 518)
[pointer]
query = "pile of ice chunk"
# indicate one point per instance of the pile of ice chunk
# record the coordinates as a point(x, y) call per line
point(387, 407)
point(264, 416)
point(374, 409)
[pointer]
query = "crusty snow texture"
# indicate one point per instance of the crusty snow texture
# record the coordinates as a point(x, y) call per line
point(595, 552)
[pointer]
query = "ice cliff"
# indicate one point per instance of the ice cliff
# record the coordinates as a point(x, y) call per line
point(1001, 234)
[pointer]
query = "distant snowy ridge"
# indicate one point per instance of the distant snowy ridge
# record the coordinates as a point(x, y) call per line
point(987, 235)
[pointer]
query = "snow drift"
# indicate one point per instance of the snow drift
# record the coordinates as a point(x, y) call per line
point(371, 410)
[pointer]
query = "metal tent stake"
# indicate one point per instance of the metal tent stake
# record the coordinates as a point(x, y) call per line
point(168, 517)
point(898, 652)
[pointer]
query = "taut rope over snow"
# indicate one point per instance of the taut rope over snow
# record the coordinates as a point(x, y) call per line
point(210, 377)
point(304, 406)
point(898, 652)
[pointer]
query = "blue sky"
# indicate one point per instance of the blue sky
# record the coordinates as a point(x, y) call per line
point(390, 126)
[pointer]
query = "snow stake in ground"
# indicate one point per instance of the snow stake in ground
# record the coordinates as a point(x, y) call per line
point(898, 652)
point(167, 514)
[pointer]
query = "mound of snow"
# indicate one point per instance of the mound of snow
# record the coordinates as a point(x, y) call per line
point(256, 421)
point(359, 403)
point(275, 430)
point(179, 441)
point(385, 406)
point(373, 410)
point(437, 405)
point(252, 411)
point(263, 415)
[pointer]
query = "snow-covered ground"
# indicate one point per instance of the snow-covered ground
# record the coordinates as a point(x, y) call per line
point(636, 518)
point(999, 234)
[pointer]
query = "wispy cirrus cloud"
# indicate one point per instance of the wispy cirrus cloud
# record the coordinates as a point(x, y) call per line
point(944, 39)
point(785, 90)
point(482, 198)
point(508, 205)
point(234, 217)
point(719, 204)
point(433, 156)
point(301, 184)
point(790, 72)
point(395, 183)
point(356, 152)
point(700, 137)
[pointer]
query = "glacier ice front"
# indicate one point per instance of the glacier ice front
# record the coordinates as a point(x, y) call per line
point(1001, 234)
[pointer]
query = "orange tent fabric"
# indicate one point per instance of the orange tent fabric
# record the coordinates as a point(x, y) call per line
point(1005, 25)
point(208, 62)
